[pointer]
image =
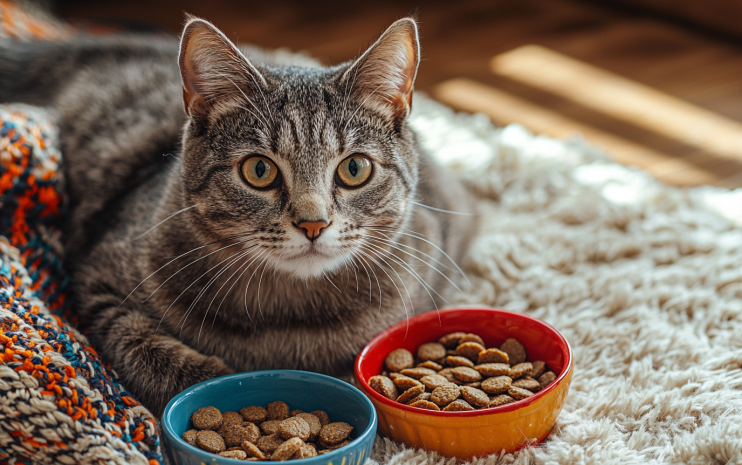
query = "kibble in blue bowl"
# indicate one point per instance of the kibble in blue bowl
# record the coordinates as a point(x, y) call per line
point(262, 409)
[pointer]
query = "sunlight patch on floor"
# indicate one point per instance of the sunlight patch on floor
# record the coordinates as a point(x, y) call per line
point(504, 108)
point(621, 98)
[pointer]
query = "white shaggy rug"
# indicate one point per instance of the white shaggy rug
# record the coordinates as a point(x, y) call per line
point(644, 280)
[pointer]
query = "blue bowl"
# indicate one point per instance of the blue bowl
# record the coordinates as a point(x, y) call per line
point(300, 389)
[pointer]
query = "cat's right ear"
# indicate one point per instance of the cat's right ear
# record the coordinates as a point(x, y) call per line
point(212, 67)
point(383, 77)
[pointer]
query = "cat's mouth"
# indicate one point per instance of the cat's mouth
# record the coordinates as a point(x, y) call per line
point(313, 250)
point(311, 261)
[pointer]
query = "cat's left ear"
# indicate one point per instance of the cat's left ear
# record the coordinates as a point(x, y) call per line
point(383, 77)
point(212, 68)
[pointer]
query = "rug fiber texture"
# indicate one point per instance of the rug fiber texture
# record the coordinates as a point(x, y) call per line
point(644, 280)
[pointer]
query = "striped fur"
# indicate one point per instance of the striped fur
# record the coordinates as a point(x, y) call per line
point(165, 286)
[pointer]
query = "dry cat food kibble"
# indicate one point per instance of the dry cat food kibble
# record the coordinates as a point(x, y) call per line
point(272, 432)
point(460, 373)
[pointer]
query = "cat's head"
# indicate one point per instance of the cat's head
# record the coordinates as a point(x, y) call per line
point(309, 165)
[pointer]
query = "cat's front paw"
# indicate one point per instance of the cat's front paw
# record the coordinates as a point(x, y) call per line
point(213, 367)
point(171, 376)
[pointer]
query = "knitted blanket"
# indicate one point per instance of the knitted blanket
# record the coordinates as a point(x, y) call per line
point(58, 402)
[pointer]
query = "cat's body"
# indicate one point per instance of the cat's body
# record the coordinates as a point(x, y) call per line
point(284, 300)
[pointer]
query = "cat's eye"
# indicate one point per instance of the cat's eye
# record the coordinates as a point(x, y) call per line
point(260, 172)
point(354, 171)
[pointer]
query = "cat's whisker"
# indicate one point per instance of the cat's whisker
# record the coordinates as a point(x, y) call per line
point(440, 210)
point(186, 289)
point(260, 308)
point(396, 259)
point(247, 286)
point(404, 304)
point(430, 243)
point(425, 286)
point(386, 239)
point(355, 270)
point(246, 267)
point(171, 261)
point(226, 281)
point(216, 294)
point(193, 262)
point(353, 257)
point(231, 261)
point(340, 272)
point(347, 275)
point(397, 228)
point(352, 262)
point(391, 243)
point(333, 284)
point(205, 289)
point(406, 266)
point(163, 221)
point(404, 286)
point(378, 284)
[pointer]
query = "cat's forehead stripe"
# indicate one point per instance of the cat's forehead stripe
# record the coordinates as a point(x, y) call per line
point(300, 134)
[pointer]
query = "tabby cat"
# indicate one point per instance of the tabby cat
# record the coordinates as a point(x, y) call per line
point(233, 209)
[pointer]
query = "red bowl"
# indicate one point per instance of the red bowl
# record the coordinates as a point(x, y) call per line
point(478, 432)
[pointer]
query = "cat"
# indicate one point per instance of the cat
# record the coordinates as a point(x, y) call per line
point(233, 209)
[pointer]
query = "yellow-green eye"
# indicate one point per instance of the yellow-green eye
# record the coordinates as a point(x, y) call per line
point(259, 172)
point(354, 171)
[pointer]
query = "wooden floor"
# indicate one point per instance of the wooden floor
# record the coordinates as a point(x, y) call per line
point(655, 94)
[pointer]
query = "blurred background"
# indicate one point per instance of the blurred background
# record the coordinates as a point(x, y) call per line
point(656, 83)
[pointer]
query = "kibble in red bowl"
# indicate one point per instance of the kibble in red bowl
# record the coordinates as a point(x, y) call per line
point(458, 373)
point(472, 431)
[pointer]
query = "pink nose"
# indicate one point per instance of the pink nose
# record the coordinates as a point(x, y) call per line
point(312, 228)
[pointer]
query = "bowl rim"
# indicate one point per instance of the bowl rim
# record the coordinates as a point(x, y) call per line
point(517, 405)
point(337, 453)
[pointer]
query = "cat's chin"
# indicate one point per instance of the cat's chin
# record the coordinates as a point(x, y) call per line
point(309, 265)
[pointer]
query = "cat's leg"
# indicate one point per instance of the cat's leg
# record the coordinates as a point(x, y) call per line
point(151, 364)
